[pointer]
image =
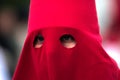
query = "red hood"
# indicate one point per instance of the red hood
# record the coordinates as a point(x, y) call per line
point(52, 19)
point(80, 14)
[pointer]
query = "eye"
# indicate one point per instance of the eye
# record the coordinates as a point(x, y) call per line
point(38, 41)
point(68, 41)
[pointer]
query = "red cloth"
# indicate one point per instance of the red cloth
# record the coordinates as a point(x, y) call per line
point(54, 18)
point(119, 75)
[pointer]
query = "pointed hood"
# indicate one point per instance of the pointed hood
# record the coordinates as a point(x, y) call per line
point(53, 20)
point(80, 14)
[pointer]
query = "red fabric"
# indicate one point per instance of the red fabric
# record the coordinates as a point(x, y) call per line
point(54, 18)
point(119, 75)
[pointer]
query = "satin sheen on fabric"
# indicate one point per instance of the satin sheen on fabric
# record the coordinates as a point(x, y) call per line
point(52, 19)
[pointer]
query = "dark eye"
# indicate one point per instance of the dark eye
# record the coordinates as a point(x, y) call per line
point(38, 41)
point(68, 41)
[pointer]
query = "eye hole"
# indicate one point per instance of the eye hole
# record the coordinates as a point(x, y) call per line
point(38, 41)
point(68, 41)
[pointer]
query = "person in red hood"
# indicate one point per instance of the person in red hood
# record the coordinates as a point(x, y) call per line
point(63, 43)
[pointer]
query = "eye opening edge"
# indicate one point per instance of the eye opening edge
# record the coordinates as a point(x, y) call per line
point(68, 44)
point(37, 38)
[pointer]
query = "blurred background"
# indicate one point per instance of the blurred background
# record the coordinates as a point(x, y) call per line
point(13, 29)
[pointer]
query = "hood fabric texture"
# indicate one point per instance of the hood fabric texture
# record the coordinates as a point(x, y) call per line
point(53, 19)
